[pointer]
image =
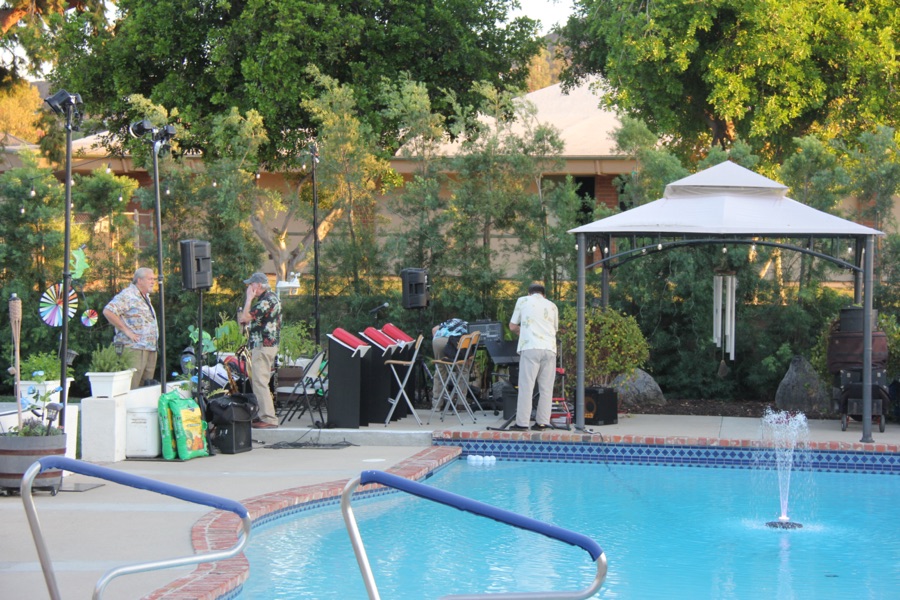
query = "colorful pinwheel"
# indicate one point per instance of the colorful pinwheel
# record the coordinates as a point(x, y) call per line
point(51, 305)
point(89, 317)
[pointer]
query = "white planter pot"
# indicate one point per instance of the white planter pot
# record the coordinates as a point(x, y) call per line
point(42, 388)
point(107, 385)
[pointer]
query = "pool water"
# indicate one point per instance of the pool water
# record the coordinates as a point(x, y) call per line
point(668, 533)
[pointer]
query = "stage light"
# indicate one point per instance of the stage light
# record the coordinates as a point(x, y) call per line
point(61, 99)
point(140, 128)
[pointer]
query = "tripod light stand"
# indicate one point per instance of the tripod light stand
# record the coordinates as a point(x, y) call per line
point(68, 105)
point(159, 137)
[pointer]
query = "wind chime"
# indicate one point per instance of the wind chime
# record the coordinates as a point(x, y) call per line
point(723, 317)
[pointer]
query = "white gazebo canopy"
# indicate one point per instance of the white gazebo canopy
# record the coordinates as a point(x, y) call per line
point(727, 203)
point(726, 200)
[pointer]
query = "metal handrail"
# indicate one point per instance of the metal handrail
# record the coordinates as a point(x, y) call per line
point(476, 508)
point(135, 481)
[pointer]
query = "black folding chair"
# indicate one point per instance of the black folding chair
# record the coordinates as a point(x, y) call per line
point(307, 387)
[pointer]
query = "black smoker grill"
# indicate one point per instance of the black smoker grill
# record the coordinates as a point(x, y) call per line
point(845, 357)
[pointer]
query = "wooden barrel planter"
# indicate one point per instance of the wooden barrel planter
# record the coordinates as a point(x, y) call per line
point(17, 453)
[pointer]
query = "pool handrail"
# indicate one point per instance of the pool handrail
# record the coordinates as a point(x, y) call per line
point(135, 481)
point(477, 508)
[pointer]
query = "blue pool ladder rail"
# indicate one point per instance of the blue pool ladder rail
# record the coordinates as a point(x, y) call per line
point(135, 481)
point(477, 508)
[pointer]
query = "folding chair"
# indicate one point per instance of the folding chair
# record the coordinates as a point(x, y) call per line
point(308, 385)
point(455, 387)
point(408, 365)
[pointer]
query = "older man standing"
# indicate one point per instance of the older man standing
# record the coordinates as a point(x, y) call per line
point(536, 320)
point(132, 314)
point(262, 312)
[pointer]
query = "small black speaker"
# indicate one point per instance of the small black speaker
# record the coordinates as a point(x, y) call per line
point(233, 438)
point(415, 288)
point(196, 265)
point(601, 406)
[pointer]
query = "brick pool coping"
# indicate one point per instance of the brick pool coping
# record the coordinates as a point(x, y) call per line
point(219, 530)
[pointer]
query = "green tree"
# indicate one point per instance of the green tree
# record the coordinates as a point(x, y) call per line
point(499, 159)
point(207, 57)
point(19, 108)
point(418, 206)
point(26, 25)
point(767, 71)
point(350, 172)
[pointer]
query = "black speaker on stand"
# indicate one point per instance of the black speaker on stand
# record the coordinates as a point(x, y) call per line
point(196, 274)
point(415, 288)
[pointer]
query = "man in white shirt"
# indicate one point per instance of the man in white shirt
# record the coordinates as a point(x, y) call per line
point(536, 320)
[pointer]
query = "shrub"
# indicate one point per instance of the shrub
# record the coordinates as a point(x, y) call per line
point(613, 345)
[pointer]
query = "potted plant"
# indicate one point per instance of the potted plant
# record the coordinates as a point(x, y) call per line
point(34, 438)
point(613, 345)
point(40, 372)
point(296, 342)
point(110, 372)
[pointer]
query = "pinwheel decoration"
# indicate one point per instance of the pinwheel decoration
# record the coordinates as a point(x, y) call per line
point(89, 317)
point(51, 305)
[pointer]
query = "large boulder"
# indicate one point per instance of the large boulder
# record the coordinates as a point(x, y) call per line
point(803, 390)
point(638, 389)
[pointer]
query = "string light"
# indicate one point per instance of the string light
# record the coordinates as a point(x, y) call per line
point(108, 168)
point(167, 191)
point(659, 246)
point(215, 184)
point(32, 193)
point(724, 250)
point(22, 210)
point(120, 197)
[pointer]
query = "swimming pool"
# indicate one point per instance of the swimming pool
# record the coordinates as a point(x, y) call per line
point(669, 532)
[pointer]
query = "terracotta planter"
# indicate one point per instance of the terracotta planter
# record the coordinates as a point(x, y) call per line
point(107, 385)
point(17, 453)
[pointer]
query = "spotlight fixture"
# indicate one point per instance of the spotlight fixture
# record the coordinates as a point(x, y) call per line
point(140, 128)
point(61, 99)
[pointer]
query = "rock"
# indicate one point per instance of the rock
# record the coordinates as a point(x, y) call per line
point(802, 389)
point(639, 389)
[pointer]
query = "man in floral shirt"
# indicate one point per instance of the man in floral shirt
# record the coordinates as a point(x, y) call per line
point(133, 316)
point(262, 312)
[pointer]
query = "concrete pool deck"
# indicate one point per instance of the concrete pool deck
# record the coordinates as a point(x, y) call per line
point(89, 532)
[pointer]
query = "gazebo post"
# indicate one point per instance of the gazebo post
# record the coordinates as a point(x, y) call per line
point(867, 341)
point(581, 249)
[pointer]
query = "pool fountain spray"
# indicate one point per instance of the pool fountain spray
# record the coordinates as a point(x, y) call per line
point(786, 431)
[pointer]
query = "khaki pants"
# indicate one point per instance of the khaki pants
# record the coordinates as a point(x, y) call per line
point(535, 366)
point(262, 361)
point(144, 364)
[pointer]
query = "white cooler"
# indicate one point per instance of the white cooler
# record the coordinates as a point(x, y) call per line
point(142, 438)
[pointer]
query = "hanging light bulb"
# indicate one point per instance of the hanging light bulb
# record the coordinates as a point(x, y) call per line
point(215, 183)
point(120, 197)
point(167, 191)
point(724, 250)
point(659, 246)
point(258, 174)
point(108, 168)
point(32, 193)
point(22, 210)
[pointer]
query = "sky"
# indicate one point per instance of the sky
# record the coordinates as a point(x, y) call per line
point(548, 12)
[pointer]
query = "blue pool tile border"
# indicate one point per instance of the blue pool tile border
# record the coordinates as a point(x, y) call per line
point(673, 455)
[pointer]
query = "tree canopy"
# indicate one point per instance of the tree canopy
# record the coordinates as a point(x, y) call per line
point(204, 58)
point(766, 71)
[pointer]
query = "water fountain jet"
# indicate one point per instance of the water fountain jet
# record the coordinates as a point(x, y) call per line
point(786, 431)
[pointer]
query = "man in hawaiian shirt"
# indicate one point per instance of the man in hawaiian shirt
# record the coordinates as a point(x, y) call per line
point(132, 314)
point(262, 312)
